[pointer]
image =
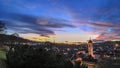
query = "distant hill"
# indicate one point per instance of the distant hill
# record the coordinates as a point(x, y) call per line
point(7, 39)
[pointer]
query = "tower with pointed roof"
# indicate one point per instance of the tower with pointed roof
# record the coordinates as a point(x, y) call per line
point(90, 48)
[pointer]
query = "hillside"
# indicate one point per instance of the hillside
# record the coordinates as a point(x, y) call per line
point(8, 39)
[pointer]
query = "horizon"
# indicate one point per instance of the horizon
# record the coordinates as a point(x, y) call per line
point(62, 20)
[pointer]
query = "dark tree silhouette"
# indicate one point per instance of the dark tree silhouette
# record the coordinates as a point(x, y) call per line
point(34, 57)
point(15, 34)
point(2, 28)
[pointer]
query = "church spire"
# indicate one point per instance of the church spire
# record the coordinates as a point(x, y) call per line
point(90, 41)
point(90, 38)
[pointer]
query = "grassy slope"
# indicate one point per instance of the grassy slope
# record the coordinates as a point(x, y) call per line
point(2, 58)
point(2, 55)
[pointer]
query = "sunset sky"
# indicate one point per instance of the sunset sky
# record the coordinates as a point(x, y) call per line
point(62, 20)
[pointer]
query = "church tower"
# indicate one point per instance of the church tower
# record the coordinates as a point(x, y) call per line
point(90, 48)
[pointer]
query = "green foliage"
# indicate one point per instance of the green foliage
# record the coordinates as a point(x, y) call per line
point(38, 57)
point(83, 66)
point(2, 55)
point(2, 59)
point(79, 65)
point(68, 64)
point(3, 63)
point(110, 64)
point(34, 57)
point(2, 28)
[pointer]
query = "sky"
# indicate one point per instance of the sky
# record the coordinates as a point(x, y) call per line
point(62, 20)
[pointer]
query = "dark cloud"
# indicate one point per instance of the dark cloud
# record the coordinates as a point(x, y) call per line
point(40, 21)
point(44, 26)
point(102, 24)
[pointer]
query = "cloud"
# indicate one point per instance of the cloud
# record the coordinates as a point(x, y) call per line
point(102, 25)
point(103, 20)
point(45, 17)
point(106, 30)
point(43, 26)
point(108, 37)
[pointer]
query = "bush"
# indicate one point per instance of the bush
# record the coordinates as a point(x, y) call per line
point(34, 57)
point(110, 63)
point(3, 63)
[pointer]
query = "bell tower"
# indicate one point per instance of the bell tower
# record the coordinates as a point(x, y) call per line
point(90, 48)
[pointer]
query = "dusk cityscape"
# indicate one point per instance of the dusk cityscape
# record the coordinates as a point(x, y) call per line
point(59, 33)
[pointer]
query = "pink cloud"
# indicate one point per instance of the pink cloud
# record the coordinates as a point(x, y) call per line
point(108, 37)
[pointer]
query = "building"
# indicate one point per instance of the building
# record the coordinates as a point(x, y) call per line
point(90, 48)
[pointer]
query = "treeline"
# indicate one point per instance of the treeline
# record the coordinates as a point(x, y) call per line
point(38, 57)
point(13, 39)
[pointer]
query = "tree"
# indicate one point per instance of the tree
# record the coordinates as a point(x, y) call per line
point(2, 28)
point(34, 57)
point(15, 34)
